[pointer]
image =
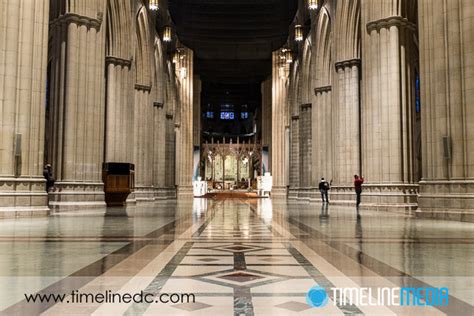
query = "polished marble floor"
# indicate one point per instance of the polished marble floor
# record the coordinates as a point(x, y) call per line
point(238, 257)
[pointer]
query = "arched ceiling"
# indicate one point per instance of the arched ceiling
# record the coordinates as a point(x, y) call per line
point(233, 39)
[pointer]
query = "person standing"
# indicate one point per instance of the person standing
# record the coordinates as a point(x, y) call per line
point(48, 175)
point(324, 188)
point(358, 181)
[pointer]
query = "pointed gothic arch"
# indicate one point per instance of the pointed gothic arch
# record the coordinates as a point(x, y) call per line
point(143, 56)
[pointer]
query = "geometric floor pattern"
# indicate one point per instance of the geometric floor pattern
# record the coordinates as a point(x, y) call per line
point(241, 257)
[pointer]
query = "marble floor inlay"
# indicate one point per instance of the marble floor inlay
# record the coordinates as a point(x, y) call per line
point(237, 257)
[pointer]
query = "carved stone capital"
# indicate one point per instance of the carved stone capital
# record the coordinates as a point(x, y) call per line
point(295, 117)
point(159, 105)
point(398, 21)
point(117, 61)
point(143, 87)
point(321, 90)
point(169, 116)
point(306, 106)
point(347, 63)
point(80, 20)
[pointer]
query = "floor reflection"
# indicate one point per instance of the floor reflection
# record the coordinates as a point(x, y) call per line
point(254, 256)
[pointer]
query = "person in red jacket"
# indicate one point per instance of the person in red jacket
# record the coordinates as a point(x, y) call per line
point(358, 188)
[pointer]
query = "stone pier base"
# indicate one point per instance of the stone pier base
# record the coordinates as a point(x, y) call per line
point(184, 192)
point(23, 197)
point(77, 195)
point(448, 200)
point(144, 194)
point(279, 193)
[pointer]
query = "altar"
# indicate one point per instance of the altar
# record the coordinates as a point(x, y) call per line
point(231, 166)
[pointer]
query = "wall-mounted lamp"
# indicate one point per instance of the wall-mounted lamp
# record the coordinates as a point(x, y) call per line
point(154, 5)
point(298, 33)
point(167, 34)
point(313, 4)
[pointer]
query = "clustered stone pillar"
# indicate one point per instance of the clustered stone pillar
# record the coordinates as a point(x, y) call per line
point(447, 91)
point(346, 111)
point(159, 157)
point(322, 106)
point(279, 123)
point(197, 122)
point(294, 156)
point(305, 148)
point(77, 98)
point(388, 111)
point(144, 147)
point(197, 111)
point(170, 137)
point(119, 111)
point(322, 153)
point(184, 130)
point(23, 60)
point(159, 94)
point(266, 116)
point(170, 154)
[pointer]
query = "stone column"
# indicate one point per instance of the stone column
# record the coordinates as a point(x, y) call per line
point(197, 121)
point(347, 161)
point(170, 152)
point(294, 156)
point(144, 143)
point(447, 113)
point(119, 135)
point(197, 111)
point(23, 64)
point(322, 134)
point(159, 141)
point(322, 109)
point(266, 116)
point(279, 122)
point(305, 149)
point(77, 104)
point(184, 135)
point(387, 148)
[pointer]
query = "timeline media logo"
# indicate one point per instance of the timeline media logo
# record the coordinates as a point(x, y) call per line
point(317, 296)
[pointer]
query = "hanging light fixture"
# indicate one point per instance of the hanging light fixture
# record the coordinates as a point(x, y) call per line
point(167, 34)
point(154, 5)
point(312, 4)
point(298, 33)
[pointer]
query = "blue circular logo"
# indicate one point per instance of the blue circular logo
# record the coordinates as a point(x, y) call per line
point(317, 296)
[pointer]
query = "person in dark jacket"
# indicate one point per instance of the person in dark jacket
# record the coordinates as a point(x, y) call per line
point(324, 188)
point(48, 175)
point(358, 181)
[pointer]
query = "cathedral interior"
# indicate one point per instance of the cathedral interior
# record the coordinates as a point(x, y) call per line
point(242, 157)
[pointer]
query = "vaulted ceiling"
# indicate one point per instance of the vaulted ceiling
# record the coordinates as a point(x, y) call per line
point(233, 39)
